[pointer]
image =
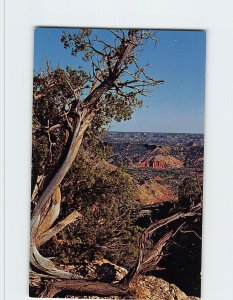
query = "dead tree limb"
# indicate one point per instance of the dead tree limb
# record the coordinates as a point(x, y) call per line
point(143, 262)
point(158, 224)
point(44, 237)
point(82, 286)
point(150, 262)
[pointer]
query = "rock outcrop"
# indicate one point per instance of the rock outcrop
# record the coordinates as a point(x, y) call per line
point(160, 158)
point(152, 288)
point(160, 161)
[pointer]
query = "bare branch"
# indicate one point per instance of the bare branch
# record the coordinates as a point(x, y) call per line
point(117, 35)
point(148, 233)
point(150, 262)
point(44, 237)
point(191, 231)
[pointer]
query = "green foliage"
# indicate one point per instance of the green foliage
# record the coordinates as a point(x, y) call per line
point(105, 196)
point(190, 192)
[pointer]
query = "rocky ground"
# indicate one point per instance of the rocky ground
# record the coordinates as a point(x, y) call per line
point(152, 288)
point(143, 287)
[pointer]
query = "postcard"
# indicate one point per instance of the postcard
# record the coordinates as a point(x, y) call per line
point(117, 163)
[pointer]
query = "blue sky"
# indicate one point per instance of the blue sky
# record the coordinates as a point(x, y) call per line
point(178, 58)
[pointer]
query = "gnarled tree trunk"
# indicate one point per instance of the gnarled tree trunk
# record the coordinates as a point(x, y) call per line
point(43, 208)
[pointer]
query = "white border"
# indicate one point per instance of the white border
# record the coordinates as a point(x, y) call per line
point(2, 151)
point(213, 16)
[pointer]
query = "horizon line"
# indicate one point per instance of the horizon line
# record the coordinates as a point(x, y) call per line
point(157, 132)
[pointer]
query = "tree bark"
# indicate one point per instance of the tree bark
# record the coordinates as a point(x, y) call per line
point(52, 212)
point(82, 286)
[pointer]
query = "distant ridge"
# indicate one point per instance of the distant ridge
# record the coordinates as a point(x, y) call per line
point(155, 132)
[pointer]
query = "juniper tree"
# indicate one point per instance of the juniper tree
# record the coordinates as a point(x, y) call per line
point(110, 89)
